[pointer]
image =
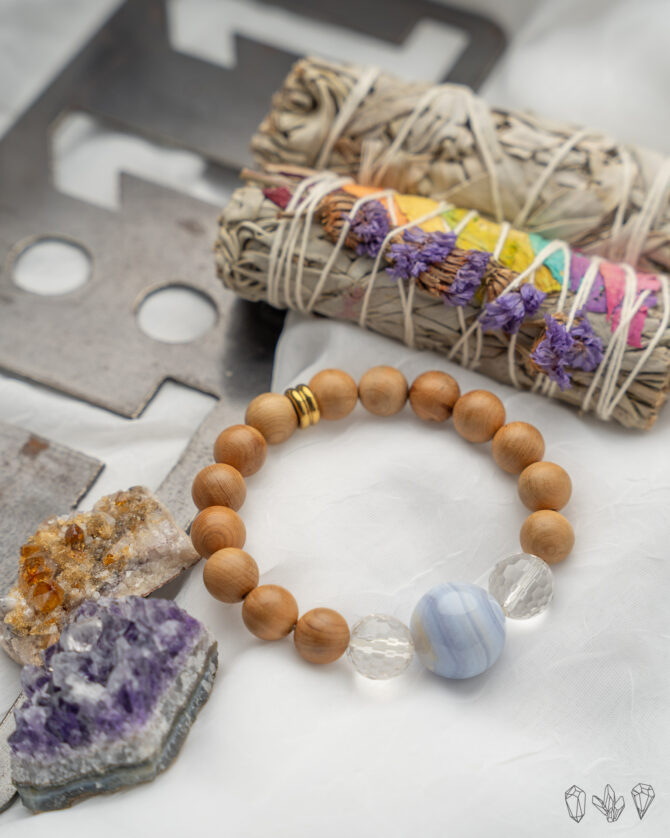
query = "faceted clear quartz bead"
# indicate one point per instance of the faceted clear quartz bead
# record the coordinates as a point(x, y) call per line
point(381, 647)
point(523, 585)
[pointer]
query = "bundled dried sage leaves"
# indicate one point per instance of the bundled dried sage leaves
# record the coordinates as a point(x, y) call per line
point(560, 181)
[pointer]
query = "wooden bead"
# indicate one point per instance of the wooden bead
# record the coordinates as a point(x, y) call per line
point(516, 445)
point(321, 635)
point(544, 486)
point(241, 447)
point(547, 534)
point(433, 395)
point(270, 612)
point(230, 574)
point(273, 415)
point(336, 393)
point(217, 527)
point(219, 485)
point(478, 415)
point(383, 391)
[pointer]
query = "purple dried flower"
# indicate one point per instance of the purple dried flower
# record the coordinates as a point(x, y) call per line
point(551, 353)
point(415, 235)
point(508, 311)
point(468, 279)
point(438, 247)
point(370, 226)
point(418, 251)
point(579, 348)
point(461, 291)
point(587, 349)
point(403, 256)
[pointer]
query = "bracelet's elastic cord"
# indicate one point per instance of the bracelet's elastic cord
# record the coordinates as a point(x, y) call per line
point(376, 160)
point(288, 254)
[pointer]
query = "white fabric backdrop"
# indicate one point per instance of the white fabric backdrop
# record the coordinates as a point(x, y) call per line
point(366, 514)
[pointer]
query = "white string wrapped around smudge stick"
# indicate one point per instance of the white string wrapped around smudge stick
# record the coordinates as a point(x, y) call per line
point(317, 242)
point(561, 181)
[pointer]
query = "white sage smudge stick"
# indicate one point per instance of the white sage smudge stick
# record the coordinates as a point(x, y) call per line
point(317, 244)
point(556, 179)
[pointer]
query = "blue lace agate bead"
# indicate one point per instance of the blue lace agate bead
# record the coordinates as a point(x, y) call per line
point(458, 630)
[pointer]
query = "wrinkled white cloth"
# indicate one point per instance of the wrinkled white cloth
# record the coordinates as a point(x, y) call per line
point(366, 514)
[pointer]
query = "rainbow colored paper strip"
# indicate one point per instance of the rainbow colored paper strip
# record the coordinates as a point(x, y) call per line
point(521, 249)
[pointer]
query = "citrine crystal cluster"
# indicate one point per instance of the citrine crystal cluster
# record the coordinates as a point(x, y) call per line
point(128, 544)
point(112, 702)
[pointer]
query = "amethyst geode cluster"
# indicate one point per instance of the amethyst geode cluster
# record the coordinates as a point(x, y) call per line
point(113, 701)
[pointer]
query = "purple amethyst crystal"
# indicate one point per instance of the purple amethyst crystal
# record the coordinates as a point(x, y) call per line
point(561, 349)
point(113, 701)
point(370, 226)
point(508, 311)
point(418, 251)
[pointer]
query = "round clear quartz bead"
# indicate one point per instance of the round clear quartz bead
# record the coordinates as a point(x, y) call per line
point(523, 584)
point(381, 647)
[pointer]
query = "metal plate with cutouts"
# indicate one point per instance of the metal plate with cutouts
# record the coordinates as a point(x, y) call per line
point(87, 343)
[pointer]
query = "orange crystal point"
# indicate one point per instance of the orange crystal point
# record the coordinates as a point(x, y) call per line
point(33, 570)
point(46, 596)
point(74, 537)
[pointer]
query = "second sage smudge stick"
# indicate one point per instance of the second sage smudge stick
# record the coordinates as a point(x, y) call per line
point(443, 141)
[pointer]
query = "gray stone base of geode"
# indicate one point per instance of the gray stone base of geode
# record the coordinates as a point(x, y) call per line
point(47, 797)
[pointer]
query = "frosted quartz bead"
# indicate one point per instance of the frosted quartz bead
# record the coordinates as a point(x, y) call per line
point(458, 630)
point(381, 647)
point(523, 585)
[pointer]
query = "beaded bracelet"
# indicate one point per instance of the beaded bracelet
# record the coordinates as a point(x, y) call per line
point(457, 629)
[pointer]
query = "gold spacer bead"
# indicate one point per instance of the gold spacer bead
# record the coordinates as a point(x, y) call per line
point(305, 405)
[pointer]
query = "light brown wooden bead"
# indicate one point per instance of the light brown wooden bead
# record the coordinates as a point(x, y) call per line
point(242, 447)
point(321, 635)
point(478, 415)
point(270, 612)
point(217, 527)
point(383, 390)
point(273, 415)
point(516, 445)
point(230, 574)
point(433, 395)
point(219, 485)
point(544, 486)
point(547, 534)
point(336, 393)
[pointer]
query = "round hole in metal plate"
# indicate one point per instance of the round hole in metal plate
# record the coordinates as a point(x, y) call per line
point(176, 314)
point(51, 266)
